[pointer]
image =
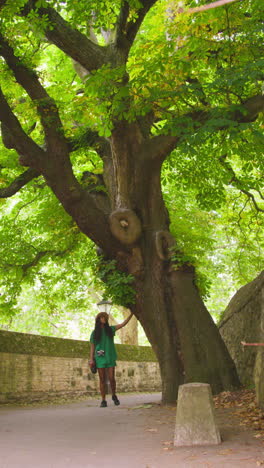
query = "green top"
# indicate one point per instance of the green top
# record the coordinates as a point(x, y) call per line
point(106, 344)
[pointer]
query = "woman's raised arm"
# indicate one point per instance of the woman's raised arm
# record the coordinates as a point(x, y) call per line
point(121, 325)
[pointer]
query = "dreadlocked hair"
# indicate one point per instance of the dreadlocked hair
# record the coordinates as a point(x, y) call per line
point(98, 329)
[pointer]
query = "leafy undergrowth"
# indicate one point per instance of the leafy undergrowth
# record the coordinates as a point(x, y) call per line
point(245, 408)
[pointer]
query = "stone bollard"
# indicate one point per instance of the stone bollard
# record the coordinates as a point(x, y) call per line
point(195, 419)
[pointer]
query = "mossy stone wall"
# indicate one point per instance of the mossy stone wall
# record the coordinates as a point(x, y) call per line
point(36, 367)
point(23, 343)
point(259, 366)
point(243, 320)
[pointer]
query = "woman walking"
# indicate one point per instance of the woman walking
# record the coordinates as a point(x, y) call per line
point(103, 353)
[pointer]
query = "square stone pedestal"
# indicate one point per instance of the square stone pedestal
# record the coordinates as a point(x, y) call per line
point(195, 417)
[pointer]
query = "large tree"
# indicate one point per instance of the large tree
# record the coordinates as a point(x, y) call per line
point(155, 82)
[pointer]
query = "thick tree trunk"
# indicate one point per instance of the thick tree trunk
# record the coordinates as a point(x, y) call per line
point(183, 335)
point(159, 326)
point(205, 355)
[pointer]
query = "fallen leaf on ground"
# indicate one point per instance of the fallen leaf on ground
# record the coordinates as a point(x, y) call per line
point(245, 408)
point(225, 452)
point(142, 407)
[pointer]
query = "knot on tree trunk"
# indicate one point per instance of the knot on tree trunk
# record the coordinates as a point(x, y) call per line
point(164, 242)
point(135, 262)
point(125, 225)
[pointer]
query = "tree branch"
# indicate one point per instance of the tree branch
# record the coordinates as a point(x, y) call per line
point(248, 112)
point(38, 257)
point(253, 107)
point(237, 182)
point(28, 150)
point(251, 196)
point(42, 254)
point(18, 183)
point(160, 146)
point(46, 106)
point(121, 23)
point(75, 44)
point(216, 4)
point(88, 210)
point(133, 26)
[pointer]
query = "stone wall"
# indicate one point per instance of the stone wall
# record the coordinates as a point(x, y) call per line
point(243, 320)
point(36, 367)
point(259, 364)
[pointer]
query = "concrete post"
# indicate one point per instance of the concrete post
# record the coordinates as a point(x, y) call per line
point(195, 419)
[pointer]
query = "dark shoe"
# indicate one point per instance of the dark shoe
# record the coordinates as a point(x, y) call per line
point(103, 404)
point(115, 400)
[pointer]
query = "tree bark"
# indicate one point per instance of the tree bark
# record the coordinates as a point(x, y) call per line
point(183, 335)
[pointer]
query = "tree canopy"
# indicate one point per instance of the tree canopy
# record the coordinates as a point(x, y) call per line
point(178, 64)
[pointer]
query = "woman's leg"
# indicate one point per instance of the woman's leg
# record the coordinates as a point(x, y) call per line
point(111, 375)
point(102, 378)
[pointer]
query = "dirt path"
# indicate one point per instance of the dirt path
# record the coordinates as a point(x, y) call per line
point(136, 434)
